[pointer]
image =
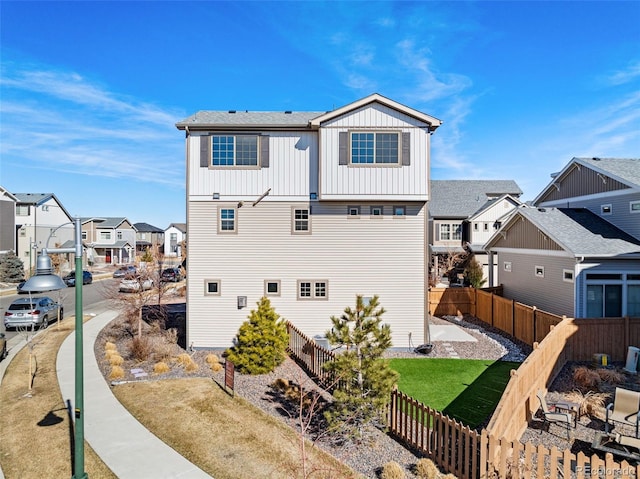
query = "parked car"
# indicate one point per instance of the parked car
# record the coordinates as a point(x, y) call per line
point(32, 312)
point(3, 346)
point(123, 271)
point(19, 289)
point(70, 279)
point(172, 274)
point(132, 284)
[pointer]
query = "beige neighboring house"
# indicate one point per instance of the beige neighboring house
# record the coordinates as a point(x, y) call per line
point(8, 231)
point(308, 209)
point(41, 219)
point(174, 235)
point(109, 240)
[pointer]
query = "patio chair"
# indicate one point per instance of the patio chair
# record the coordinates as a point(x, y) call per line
point(549, 416)
point(624, 409)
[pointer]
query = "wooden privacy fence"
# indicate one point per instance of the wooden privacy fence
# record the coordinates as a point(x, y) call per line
point(469, 454)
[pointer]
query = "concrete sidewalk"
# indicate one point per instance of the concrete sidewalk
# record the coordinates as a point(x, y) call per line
point(127, 448)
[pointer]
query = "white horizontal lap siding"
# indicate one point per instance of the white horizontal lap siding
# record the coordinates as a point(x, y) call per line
point(361, 181)
point(293, 159)
point(355, 256)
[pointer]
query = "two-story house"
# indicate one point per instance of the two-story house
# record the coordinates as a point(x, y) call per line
point(174, 236)
point(148, 237)
point(41, 221)
point(109, 240)
point(8, 231)
point(577, 252)
point(308, 209)
point(463, 215)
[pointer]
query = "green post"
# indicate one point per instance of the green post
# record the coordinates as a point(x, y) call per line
point(78, 461)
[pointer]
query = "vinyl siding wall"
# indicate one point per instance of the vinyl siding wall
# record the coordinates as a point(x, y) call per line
point(384, 256)
point(489, 216)
point(549, 293)
point(362, 182)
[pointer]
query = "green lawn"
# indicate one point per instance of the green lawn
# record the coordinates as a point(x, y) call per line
point(465, 389)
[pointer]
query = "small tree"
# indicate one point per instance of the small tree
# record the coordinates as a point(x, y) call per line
point(366, 380)
point(261, 342)
point(474, 274)
point(11, 268)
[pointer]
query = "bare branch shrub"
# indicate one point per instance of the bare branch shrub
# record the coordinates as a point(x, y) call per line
point(140, 348)
point(610, 376)
point(586, 378)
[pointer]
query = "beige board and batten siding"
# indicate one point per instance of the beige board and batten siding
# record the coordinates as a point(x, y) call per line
point(342, 182)
point(292, 170)
point(384, 256)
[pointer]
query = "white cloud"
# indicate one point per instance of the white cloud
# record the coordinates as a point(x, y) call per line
point(624, 76)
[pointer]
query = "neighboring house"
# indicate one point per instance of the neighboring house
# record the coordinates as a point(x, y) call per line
point(41, 221)
point(174, 235)
point(148, 237)
point(309, 209)
point(578, 252)
point(466, 213)
point(109, 240)
point(8, 231)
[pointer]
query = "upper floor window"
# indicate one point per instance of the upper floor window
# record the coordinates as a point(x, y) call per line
point(119, 234)
point(605, 209)
point(399, 211)
point(371, 148)
point(173, 236)
point(22, 210)
point(105, 235)
point(450, 231)
point(238, 150)
point(634, 207)
point(84, 235)
point(313, 289)
point(227, 220)
point(354, 211)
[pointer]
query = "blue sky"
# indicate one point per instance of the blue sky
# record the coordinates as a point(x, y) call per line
point(91, 91)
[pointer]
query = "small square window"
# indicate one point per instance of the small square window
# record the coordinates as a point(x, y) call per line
point(507, 266)
point(605, 209)
point(353, 211)
point(539, 271)
point(272, 287)
point(567, 275)
point(304, 289)
point(634, 207)
point(399, 211)
point(376, 211)
point(486, 226)
point(212, 287)
point(476, 227)
point(23, 232)
point(320, 289)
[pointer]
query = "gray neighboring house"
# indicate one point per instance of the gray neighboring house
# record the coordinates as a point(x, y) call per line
point(578, 252)
point(148, 236)
point(109, 240)
point(464, 214)
point(7, 221)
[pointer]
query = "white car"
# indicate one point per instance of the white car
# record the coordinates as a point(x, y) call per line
point(132, 284)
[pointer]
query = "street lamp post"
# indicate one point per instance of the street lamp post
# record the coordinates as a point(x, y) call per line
point(45, 280)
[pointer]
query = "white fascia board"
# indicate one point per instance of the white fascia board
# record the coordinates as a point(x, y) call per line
point(562, 203)
point(533, 252)
point(364, 197)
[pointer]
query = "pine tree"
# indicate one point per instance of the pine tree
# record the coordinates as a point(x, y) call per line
point(11, 268)
point(365, 380)
point(261, 342)
point(473, 274)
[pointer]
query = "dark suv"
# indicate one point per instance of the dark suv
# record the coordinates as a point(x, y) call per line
point(70, 279)
point(172, 274)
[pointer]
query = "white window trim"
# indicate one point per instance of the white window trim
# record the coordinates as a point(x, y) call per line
point(293, 220)
point(313, 296)
point(257, 166)
point(374, 207)
point(637, 207)
point(353, 208)
point(235, 220)
point(538, 271)
point(507, 266)
point(206, 287)
point(266, 288)
point(566, 272)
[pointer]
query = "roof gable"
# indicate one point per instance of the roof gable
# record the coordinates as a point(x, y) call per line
point(147, 228)
point(464, 198)
point(494, 203)
point(590, 176)
point(577, 231)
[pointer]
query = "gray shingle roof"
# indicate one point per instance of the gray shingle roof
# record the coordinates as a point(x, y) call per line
point(147, 228)
point(250, 118)
point(463, 198)
point(105, 221)
point(581, 232)
point(626, 170)
point(32, 198)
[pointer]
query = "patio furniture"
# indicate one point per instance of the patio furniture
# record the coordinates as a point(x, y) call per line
point(627, 447)
point(551, 416)
point(624, 409)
